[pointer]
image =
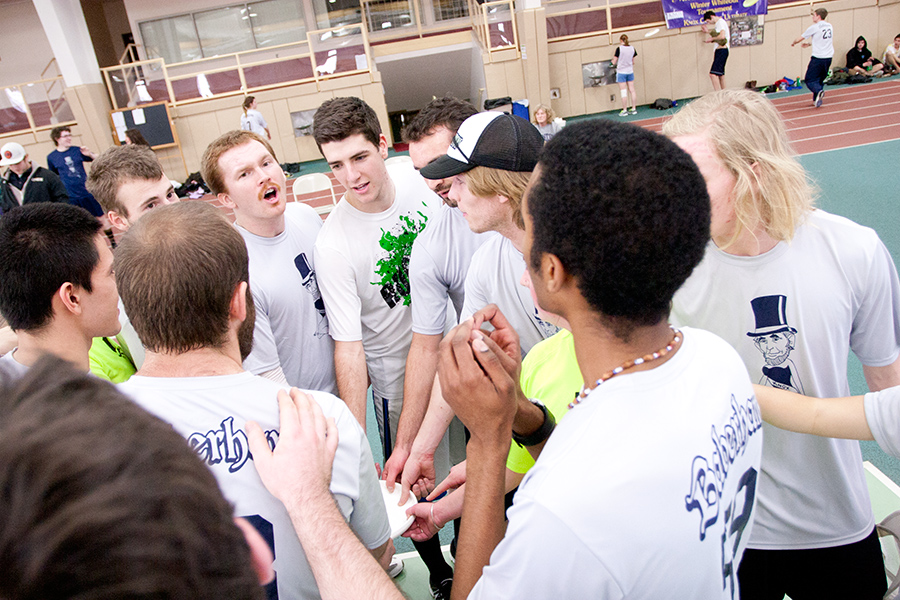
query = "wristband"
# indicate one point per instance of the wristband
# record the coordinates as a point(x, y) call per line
point(541, 433)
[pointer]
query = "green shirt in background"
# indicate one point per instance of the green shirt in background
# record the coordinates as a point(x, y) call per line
point(109, 360)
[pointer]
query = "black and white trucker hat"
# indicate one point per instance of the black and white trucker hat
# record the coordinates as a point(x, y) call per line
point(489, 139)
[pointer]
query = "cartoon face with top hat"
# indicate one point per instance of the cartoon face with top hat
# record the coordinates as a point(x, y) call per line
point(774, 339)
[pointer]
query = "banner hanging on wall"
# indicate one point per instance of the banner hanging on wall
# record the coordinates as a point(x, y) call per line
point(684, 13)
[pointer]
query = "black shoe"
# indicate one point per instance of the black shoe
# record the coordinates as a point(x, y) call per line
point(442, 590)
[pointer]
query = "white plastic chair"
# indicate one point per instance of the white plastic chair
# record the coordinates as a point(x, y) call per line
point(315, 182)
point(398, 160)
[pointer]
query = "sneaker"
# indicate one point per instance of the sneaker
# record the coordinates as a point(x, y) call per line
point(623, 113)
point(819, 97)
point(633, 111)
point(396, 567)
point(442, 591)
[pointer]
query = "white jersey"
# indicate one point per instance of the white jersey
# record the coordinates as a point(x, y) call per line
point(210, 412)
point(722, 25)
point(644, 491)
point(883, 416)
point(363, 265)
point(625, 64)
point(890, 51)
point(493, 278)
point(254, 121)
point(291, 325)
point(793, 314)
point(440, 260)
point(822, 35)
point(128, 337)
point(10, 366)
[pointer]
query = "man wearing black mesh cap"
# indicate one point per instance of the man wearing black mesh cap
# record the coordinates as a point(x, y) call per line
point(490, 159)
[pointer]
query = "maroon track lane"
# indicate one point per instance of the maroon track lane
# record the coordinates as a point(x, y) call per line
point(850, 116)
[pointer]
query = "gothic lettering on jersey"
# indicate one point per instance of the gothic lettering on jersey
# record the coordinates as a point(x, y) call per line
point(708, 477)
point(775, 339)
point(393, 266)
point(226, 444)
point(312, 286)
point(708, 473)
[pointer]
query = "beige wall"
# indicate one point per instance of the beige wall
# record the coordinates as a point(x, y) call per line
point(199, 124)
point(675, 64)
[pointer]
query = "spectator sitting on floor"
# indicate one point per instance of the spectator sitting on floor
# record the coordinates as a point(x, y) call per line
point(860, 60)
point(891, 56)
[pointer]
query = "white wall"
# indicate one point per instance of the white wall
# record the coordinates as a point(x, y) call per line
point(24, 48)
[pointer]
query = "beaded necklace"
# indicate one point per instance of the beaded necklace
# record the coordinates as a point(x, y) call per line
point(676, 338)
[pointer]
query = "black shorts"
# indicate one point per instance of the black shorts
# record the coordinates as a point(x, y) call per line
point(719, 59)
point(854, 571)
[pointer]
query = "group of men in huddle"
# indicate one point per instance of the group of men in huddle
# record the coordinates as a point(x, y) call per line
point(430, 285)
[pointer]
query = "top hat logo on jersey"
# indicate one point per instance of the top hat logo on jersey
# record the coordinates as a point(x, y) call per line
point(775, 340)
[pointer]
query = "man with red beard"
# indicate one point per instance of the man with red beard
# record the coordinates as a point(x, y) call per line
point(291, 341)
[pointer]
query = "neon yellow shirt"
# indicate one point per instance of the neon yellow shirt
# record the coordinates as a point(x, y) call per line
point(109, 360)
point(550, 374)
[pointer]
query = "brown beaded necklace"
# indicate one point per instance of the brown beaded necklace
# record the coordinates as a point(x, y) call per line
point(676, 339)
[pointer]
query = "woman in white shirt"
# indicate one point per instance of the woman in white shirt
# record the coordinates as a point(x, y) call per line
point(252, 119)
point(623, 61)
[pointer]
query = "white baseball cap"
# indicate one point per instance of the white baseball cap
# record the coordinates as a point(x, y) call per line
point(11, 154)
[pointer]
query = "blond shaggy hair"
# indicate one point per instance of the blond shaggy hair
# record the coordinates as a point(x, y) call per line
point(486, 182)
point(550, 114)
point(773, 192)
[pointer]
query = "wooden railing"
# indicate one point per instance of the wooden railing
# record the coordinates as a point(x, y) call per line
point(36, 105)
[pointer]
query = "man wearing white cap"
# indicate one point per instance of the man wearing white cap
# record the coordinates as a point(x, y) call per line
point(24, 183)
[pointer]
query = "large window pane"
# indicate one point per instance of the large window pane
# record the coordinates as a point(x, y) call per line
point(388, 14)
point(277, 22)
point(224, 30)
point(334, 13)
point(173, 39)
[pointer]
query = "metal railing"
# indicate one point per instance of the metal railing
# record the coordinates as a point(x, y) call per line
point(326, 54)
point(36, 105)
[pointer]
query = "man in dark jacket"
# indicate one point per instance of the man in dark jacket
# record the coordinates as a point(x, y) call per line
point(24, 183)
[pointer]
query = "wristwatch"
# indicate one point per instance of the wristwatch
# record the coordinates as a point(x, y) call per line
point(541, 433)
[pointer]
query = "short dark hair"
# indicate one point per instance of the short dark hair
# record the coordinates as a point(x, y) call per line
point(119, 165)
point(43, 246)
point(57, 132)
point(708, 15)
point(209, 163)
point(823, 14)
point(339, 118)
point(630, 229)
point(446, 112)
point(103, 500)
point(177, 269)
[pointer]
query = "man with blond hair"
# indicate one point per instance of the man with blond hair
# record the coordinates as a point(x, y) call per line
point(794, 289)
point(291, 341)
point(193, 377)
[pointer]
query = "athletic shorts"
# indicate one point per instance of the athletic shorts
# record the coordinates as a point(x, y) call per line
point(718, 66)
point(624, 77)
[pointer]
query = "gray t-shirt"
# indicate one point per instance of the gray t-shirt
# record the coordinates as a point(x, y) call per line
point(291, 325)
point(10, 367)
point(793, 314)
point(493, 278)
point(883, 416)
point(438, 266)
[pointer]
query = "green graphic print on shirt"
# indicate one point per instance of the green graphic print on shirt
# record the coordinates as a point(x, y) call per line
point(393, 267)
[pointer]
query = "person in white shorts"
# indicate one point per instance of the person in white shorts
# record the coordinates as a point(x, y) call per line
point(193, 378)
point(794, 289)
point(438, 265)
point(891, 57)
point(290, 340)
point(665, 437)
point(363, 254)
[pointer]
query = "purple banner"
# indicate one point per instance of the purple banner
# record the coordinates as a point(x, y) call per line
point(684, 13)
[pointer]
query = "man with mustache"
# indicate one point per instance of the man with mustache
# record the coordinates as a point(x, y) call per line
point(291, 342)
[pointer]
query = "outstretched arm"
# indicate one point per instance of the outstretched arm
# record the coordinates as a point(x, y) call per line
point(843, 418)
point(342, 566)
